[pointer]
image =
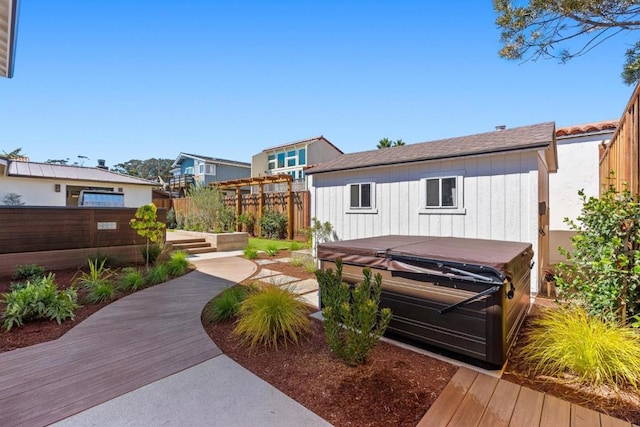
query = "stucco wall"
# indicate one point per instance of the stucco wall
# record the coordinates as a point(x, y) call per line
point(500, 200)
point(40, 192)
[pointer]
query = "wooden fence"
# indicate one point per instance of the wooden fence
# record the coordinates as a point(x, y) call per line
point(622, 155)
point(249, 203)
point(35, 229)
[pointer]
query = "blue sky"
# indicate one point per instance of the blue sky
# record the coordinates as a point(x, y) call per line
point(133, 79)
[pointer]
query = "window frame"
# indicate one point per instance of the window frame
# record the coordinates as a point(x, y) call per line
point(372, 198)
point(458, 209)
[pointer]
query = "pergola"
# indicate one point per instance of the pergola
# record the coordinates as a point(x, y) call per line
point(8, 26)
point(237, 184)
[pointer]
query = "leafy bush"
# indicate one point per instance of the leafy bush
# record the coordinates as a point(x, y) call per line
point(172, 223)
point(178, 263)
point(100, 292)
point(28, 272)
point(309, 264)
point(151, 253)
point(226, 305)
point(271, 315)
point(602, 271)
point(97, 275)
point(318, 233)
point(272, 249)
point(353, 324)
point(248, 221)
point(207, 211)
point(273, 225)
point(131, 279)
point(250, 253)
point(40, 299)
point(569, 340)
point(157, 274)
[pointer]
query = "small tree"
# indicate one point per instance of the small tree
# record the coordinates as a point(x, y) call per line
point(602, 272)
point(147, 225)
point(319, 233)
point(13, 199)
point(353, 324)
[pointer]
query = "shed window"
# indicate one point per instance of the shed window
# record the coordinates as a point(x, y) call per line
point(441, 193)
point(360, 195)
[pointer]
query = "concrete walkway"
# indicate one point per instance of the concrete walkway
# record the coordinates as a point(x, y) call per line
point(144, 360)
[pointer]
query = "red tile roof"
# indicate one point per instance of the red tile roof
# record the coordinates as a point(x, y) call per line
point(588, 128)
point(520, 138)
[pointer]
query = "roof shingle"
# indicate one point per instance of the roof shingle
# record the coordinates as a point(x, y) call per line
point(520, 138)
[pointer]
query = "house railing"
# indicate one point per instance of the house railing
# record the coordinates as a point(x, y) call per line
point(181, 181)
point(622, 155)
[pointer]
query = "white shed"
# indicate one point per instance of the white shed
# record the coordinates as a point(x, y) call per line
point(492, 185)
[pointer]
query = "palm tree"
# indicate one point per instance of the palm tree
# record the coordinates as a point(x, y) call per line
point(384, 143)
point(398, 143)
point(15, 154)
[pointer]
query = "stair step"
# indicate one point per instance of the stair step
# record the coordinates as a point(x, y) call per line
point(201, 250)
point(191, 240)
point(185, 246)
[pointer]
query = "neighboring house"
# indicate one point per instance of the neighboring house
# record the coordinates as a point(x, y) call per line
point(193, 169)
point(490, 186)
point(292, 158)
point(578, 154)
point(8, 25)
point(44, 184)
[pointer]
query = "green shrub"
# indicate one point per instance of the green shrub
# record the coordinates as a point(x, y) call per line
point(157, 274)
point(207, 211)
point(598, 352)
point(29, 272)
point(602, 271)
point(353, 323)
point(273, 225)
point(271, 249)
point(226, 305)
point(131, 279)
point(295, 246)
point(271, 315)
point(178, 264)
point(40, 299)
point(250, 253)
point(171, 219)
point(309, 264)
point(100, 292)
point(153, 252)
point(97, 275)
point(248, 221)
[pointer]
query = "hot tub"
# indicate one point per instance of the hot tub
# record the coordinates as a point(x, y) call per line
point(468, 296)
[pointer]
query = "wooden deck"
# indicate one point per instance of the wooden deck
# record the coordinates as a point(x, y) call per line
point(131, 343)
point(475, 399)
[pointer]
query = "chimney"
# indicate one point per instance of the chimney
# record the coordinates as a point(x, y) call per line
point(501, 127)
point(101, 164)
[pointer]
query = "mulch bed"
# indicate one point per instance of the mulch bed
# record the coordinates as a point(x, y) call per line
point(395, 387)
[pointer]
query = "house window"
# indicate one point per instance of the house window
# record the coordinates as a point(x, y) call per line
point(271, 161)
point(300, 174)
point(201, 168)
point(291, 158)
point(302, 156)
point(188, 171)
point(360, 196)
point(441, 193)
point(281, 157)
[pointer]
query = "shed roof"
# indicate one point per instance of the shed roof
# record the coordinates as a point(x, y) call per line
point(520, 138)
point(74, 173)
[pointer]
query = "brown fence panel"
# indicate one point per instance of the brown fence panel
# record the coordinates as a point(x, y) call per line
point(622, 155)
point(271, 201)
point(33, 229)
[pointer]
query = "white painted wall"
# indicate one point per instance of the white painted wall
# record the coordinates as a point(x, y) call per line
point(40, 192)
point(500, 200)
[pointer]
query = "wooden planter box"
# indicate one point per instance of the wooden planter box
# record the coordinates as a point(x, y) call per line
point(221, 241)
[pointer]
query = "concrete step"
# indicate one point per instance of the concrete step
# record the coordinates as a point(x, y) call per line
point(195, 251)
point(187, 240)
point(195, 245)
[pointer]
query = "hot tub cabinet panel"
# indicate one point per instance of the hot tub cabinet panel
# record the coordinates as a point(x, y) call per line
point(471, 300)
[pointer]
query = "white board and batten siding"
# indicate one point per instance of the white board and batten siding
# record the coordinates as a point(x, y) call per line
point(497, 199)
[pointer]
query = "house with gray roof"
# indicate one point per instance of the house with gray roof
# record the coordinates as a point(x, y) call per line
point(194, 169)
point(45, 184)
point(492, 185)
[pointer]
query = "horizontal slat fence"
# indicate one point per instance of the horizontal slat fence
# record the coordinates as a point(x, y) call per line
point(271, 201)
point(622, 155)
point(33, 229)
